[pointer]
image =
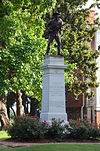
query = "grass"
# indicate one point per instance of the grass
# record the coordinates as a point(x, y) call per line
point(50, 147)
point(55, 147)
point(4, 135)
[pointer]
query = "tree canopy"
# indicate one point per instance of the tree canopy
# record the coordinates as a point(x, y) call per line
point(22, 45)
point(77, 36)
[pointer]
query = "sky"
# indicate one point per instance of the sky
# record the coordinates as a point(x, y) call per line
point(92, 1)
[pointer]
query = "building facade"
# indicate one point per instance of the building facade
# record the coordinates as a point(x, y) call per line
point(97, 43)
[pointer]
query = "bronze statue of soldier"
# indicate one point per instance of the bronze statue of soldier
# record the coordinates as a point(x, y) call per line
point(53, 30)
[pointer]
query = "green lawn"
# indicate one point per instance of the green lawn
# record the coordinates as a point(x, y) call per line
point(4, 135)
point(55, 147)
point(50, 147)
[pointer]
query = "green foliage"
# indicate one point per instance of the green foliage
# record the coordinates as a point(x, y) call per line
point(4, 135)
point(79, 130)
point(22, 46)
point(27, 128)
point(77, 33)
point(31, 128)
point(94, 131)
point(82, 129)
point(55, 130)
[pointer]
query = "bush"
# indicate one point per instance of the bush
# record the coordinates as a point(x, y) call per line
point(82, 129)
point(94, 131)
point(27, 128)
point(31, 128)
point(55, 130)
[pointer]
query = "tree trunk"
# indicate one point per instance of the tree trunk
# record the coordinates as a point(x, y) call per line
point(0, 2)
point(3, 111)
point(8, 111)
point(19, 103)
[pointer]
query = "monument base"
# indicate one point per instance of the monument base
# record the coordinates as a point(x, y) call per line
point(53, 92)
point(49, 116)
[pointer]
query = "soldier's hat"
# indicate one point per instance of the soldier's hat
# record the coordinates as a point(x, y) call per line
point(56, 12)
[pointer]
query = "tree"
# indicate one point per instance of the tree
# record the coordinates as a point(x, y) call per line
point(22, 46)
point(77, 34)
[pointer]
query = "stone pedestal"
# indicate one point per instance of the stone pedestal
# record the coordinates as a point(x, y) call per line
point(53, 92)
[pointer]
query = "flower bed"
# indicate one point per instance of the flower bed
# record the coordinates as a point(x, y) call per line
point(31, 128)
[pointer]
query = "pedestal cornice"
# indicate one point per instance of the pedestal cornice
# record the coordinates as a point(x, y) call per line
point(52, 66)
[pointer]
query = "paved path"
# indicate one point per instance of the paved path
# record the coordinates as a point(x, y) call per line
point(10, 143)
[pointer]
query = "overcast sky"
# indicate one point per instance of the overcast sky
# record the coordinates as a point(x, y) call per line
point(92, 1)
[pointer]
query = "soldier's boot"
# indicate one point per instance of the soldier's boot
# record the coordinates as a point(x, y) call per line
point(48, 48)
point(47, 51)
point(59, 51)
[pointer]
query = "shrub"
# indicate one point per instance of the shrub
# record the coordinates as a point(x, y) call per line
point(55, 130)
point(27, 128)
point(79, 130)
point(82, 129)
point(31, 128)
point(94, 131)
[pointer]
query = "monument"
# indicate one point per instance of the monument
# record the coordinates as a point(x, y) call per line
point(53, 30)
point(53, 92)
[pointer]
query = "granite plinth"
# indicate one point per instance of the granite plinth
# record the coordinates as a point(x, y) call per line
point(53, 92)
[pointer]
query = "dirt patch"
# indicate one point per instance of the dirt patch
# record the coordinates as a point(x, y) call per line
point(13, 143)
